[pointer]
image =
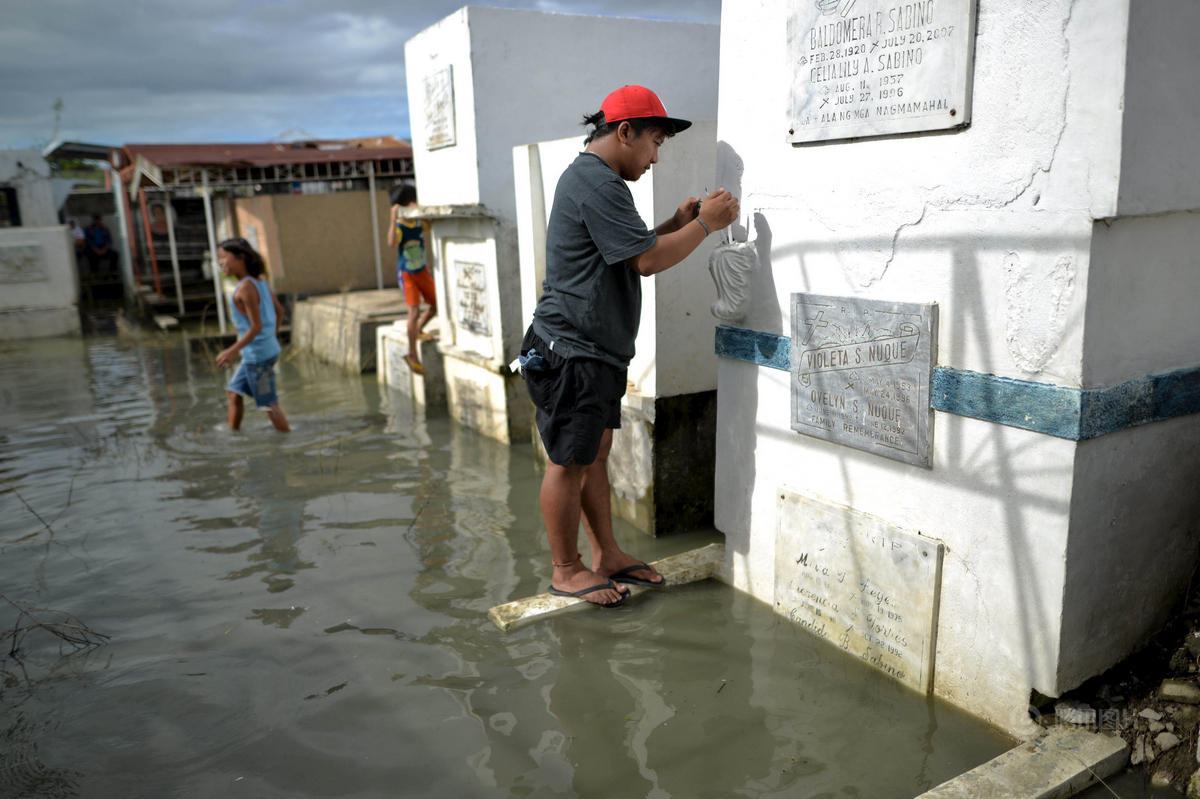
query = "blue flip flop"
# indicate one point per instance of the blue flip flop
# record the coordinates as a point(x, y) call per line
point(624, 576)
point(598, 587)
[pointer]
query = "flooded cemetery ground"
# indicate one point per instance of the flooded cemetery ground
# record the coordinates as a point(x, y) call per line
point(305, 615)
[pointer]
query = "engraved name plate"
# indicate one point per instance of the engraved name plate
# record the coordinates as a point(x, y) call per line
point(879, 67)
point(867, 586)
point(22, 263)
point(472, 305)
point(861, 371)
point(439, 109)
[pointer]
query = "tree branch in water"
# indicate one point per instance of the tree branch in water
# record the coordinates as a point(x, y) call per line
point(65, 627)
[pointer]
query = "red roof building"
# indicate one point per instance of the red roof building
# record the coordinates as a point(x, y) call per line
point(314, 245)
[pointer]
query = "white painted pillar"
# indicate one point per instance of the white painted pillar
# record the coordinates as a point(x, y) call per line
point(174, 251)
point(374, 224)
point(212, 249)
point(118, 186)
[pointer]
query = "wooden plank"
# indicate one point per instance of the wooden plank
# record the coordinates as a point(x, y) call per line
point(686, 567)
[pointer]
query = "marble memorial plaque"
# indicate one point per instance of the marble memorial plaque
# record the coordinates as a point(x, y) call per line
point(439, 109)
point(866, 586)
point(471, 291)
point(879, 67)
point(861, 371)
point(22, 263)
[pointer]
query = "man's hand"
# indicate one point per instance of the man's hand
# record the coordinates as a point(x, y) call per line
point(686, 212)
point(719, 210)
point(226, 356)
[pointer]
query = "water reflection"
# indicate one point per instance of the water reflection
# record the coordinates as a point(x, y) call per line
point(262, 483)
point(305, 615)
point(675, 697)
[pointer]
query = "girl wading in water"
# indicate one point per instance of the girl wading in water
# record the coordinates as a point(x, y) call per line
point(255, 312)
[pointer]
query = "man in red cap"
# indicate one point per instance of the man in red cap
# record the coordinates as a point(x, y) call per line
point(577, 350)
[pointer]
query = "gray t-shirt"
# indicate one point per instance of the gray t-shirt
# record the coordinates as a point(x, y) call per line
point(593, 301)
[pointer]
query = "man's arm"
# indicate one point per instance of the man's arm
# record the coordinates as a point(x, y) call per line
point(717, 211)
point(392, 228)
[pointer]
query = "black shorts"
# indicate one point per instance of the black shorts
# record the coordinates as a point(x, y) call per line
point(577, 399)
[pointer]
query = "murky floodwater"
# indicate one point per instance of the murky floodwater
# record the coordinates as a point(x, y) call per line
point(305, 615)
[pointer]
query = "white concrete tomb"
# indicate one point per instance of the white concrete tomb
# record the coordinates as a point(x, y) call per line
point(1057, 235)
point(39, 283)
point(480, 82)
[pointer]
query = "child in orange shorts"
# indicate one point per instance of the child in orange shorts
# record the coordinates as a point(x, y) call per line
point(412, 268)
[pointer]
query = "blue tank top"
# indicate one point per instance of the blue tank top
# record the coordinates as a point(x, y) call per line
point(264, 346)
point(412, 246)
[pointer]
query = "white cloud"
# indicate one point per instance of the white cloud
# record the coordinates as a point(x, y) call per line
point(232, 70)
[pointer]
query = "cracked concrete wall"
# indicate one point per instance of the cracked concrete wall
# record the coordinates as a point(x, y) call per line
point(995, 224)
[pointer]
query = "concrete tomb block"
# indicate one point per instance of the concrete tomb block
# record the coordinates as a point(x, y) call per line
point(391, 366)
point(861, 371)
point(877, 67)
point(341, 328)
point(861, 583)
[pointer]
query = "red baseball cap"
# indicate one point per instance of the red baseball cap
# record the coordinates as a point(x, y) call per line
point(638, 102)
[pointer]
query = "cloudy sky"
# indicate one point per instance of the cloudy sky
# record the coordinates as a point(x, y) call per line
point(230, 70)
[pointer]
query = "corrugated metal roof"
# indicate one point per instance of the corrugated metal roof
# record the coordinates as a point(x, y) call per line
point(267, 153)
point(77, 149)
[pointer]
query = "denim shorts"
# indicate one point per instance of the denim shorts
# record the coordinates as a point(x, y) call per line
point(257, 381)
point(577, 399)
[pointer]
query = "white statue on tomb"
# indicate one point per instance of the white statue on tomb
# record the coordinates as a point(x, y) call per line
point(731, 264)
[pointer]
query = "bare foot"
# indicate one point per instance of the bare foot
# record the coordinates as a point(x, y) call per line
point(624, 565)
point(574, 579)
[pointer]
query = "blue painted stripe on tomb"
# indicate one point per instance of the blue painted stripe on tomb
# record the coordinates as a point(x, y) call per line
point(1134, 402)
point(1041, 407)
point(764, 349)
point(1061, 411)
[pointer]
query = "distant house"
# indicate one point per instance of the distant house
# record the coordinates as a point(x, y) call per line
point(316, 209)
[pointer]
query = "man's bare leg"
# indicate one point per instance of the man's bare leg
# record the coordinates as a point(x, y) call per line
point(236, 409)
point(596, 504)
point(560, 499)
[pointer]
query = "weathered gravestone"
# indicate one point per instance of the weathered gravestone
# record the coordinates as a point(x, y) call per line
point(861, 583)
